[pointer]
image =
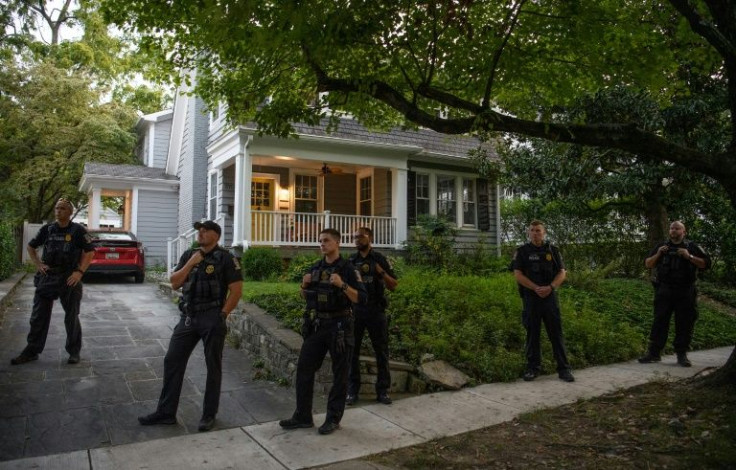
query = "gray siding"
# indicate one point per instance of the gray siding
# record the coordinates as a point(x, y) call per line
point(193, 165)
point(162, 136)
point(156, 223)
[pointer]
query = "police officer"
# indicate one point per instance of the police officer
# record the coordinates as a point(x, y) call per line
point(676, 262)
point(330, 288)
point(539, 270)
point(377, 275)
point(211, 283)
point(67, 253)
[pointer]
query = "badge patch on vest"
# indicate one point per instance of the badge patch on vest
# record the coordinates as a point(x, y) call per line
point(323, 276)
point(68, 237)
point(365, 267)
point(549, 256)
point(210, 269)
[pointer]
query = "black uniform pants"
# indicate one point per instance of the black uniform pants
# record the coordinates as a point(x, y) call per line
point(43, 302)
point(311, 356)
point(680, 300)
point(538, 310)
point(377, 327)
point(210, 327)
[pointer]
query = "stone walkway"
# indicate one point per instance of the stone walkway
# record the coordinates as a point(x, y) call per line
point(49, 406)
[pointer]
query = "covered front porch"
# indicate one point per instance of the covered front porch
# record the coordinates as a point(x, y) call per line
point(272, 192)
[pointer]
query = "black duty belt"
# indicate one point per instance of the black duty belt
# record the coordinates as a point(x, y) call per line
point(331, 315)
point(201, 307)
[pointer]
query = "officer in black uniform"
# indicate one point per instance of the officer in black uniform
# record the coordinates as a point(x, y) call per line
point(539, 270)
point(67, 253)
point(211, 282)
point(377, 275)
point(330, 288)
point(676, 262)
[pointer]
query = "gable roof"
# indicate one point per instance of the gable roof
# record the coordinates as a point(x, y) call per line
point(127, 171)
point(430, 141)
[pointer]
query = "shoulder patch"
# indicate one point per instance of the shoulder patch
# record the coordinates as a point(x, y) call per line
point(87, 237)
point(357, 274)
point(236, 263)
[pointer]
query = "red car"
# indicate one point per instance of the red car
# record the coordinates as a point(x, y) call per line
point(117, 252)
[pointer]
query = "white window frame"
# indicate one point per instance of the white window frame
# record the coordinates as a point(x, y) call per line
point(473, 202)
point(433, 194)
point(213, 194)
point(362, 177)
point(320, 195)
point(430, 210)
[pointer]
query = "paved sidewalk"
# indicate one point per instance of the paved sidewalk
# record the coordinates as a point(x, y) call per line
point(261, 443)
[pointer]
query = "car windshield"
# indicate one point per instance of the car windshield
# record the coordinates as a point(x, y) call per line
point(112, 236)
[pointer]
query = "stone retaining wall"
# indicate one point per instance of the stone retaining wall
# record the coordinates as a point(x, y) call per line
point(264, 338)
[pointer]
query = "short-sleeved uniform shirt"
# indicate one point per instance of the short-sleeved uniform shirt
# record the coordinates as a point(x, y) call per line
point(539, 263)
point(210, 278)
point(62, 246)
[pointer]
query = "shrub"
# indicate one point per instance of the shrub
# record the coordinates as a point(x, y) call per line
point(8, 262)
point(298, 267)
point(431, 243)
point(474, 322)
point(260, 263)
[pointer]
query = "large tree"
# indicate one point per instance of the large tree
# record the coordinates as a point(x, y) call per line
point(455, 66)
point(51, 123)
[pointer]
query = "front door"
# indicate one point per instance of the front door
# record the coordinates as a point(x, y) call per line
point(262, 193)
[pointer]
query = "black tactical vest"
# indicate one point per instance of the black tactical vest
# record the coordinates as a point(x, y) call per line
point(59, 251)
point(540, 262)
point(204, 283)
point(674, 269)
point(329, 297)
point(367, 269)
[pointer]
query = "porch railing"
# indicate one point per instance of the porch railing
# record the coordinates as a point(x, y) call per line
point(176, 246)
point(272, 228)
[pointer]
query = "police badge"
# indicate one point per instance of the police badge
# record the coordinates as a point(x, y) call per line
point(68, 237)
point(549, 257)
point(210, 269)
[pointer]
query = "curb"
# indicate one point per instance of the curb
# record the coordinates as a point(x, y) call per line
point(8, 286)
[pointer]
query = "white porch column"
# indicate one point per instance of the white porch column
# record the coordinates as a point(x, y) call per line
point(93, 208)
point(241, 216)
point(399, 196)
point(134, 210)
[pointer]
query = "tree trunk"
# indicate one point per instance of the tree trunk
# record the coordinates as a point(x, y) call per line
point(725, 375)
point(656, 215)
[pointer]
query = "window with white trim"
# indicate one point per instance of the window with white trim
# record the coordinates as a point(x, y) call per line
point(366, 195)
point(446, 198)
point(469, 202)
point(212, 199)
point(422, 194)
point(305, 193)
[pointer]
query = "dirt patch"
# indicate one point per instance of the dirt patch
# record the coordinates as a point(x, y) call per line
point(657, 425)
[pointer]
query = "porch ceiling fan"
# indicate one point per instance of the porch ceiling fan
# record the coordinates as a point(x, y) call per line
point(326, 170)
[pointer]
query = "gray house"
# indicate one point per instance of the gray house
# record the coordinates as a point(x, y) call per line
point(267, 191)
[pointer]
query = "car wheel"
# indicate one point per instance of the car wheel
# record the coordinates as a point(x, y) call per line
point(139, 278)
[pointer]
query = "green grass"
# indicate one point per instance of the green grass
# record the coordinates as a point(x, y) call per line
point(475, 322)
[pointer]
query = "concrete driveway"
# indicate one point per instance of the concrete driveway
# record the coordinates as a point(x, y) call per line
point(49, 406)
